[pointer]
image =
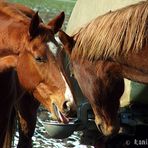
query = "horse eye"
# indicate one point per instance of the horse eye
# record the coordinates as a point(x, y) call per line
point(41, 59)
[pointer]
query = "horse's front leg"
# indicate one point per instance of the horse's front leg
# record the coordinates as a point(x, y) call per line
point(26, 110)
point(6, 126)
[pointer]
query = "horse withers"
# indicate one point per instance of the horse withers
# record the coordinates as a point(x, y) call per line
point(103, 52)
point(28, 70)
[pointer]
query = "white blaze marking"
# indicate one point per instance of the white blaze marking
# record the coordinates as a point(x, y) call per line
point(53, 48)
point(68, 94)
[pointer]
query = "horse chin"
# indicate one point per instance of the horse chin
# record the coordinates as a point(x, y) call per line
point(109, 130)
point(59, 115)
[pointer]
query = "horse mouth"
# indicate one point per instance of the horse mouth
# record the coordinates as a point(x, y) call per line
point(59, 115)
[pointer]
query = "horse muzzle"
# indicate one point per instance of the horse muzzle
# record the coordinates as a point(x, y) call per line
point(61, 117)
point(108, 130)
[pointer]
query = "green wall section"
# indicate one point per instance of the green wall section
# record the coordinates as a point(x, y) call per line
point(49, 8)
point(139, 93)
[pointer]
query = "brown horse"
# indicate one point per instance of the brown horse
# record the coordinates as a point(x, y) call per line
point(28, 70)
point(111, 47)
point(25, 108)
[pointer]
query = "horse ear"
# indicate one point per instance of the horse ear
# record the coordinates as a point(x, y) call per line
point(57, 22)
point(67, 41)
point(34, 25)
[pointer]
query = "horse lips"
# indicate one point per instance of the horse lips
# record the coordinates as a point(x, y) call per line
point(60, 116)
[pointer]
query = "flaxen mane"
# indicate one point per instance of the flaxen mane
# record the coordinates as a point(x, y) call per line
point(114, 33)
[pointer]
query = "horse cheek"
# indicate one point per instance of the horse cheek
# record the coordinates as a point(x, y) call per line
point(28, 73)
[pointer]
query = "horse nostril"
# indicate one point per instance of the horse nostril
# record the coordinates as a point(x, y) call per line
point(66, 106)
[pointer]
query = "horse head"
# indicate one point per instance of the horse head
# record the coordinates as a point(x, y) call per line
point(103, 93)
point(38, 69)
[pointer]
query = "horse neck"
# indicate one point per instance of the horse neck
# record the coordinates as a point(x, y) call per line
point(12, 39)
point(13, 29)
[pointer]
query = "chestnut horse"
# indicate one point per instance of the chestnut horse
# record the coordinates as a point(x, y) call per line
point(103, 52)
point(29, 72)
